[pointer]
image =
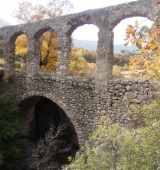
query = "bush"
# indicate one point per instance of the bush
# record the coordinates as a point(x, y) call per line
point(114, 147)
point(117, 69)
point(9, 127)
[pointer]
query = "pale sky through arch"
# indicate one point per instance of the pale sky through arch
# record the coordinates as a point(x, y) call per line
point(8, 6)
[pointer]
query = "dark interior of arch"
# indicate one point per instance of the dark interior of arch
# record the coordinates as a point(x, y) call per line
point(47, 113)
point(14, 37)
point(40, 113)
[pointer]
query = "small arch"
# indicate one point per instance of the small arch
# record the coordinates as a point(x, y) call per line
point(47, 50)
point(76, 22)
point(123, 53)
point(134, 14)
point(38, 34)
point(84, 51)
point(14, 36)
point(18, 51)
point(1, 56)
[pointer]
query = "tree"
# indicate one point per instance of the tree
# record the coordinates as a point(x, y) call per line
point(114, 147)
point(48, 50)
point(79, 65)
point(10, 124)
point(27, 12)
point(149, 45)
point(43, 153)
point(1, 58)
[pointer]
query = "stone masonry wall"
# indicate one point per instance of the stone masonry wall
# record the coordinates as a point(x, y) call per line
point(78, 98)
point(84, 101)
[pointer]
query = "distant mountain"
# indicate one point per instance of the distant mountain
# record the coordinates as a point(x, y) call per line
point(92, 45)
point(3, 23)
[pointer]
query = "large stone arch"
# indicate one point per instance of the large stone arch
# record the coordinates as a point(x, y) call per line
point(50, 96)
point(38, 111)
point(27, 102)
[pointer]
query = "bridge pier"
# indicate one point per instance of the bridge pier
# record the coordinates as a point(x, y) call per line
point(105, 58)
point(64, 53)
point(33, 57)
point(9, 62)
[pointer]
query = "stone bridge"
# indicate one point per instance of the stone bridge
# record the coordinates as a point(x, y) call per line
point(84, 101)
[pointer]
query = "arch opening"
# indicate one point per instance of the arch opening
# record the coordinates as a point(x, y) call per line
point(84, 51)
point(39, 113)
point(47, 51)
point(21, 53)
point(122, 53)
point(1, 57)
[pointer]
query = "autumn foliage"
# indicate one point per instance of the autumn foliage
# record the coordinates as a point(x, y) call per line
point(149, 44)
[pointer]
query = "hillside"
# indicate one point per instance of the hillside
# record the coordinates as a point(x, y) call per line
point(92, 45)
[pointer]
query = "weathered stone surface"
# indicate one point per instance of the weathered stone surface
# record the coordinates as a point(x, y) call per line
point(83, 100)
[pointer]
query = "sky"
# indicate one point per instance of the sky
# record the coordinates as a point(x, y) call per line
point(87, 32)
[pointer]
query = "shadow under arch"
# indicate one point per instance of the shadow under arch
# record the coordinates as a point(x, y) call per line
point(38, 113)
point(38, 34)
point(15, 35)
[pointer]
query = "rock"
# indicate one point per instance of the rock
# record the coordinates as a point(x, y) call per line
point(135, 100)
point(128, 88)
point(129, 95)
point(103, 112)
point(125, 82)
point(142, 97)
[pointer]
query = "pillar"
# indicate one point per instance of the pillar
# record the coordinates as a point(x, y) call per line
point(9, 61)
point(105, 58)
point(33, 57)
point(64, 53)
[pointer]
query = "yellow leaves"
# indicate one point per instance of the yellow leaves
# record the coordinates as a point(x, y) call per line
point(132, 41)
point(48, 50)
point(78, 64)
point(143, 50)
point(149, 45)
point(141, 40)
point(129, 28)
point(153, 46)
point(21, 45)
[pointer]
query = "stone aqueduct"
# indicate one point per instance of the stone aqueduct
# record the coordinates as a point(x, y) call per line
point(84, 101)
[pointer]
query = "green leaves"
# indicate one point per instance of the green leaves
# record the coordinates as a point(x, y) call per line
point(112, 147)
point(10, 124)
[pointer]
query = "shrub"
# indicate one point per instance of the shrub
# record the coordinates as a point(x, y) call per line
point(9, 127)
point(114, 147)
point(116, 69)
